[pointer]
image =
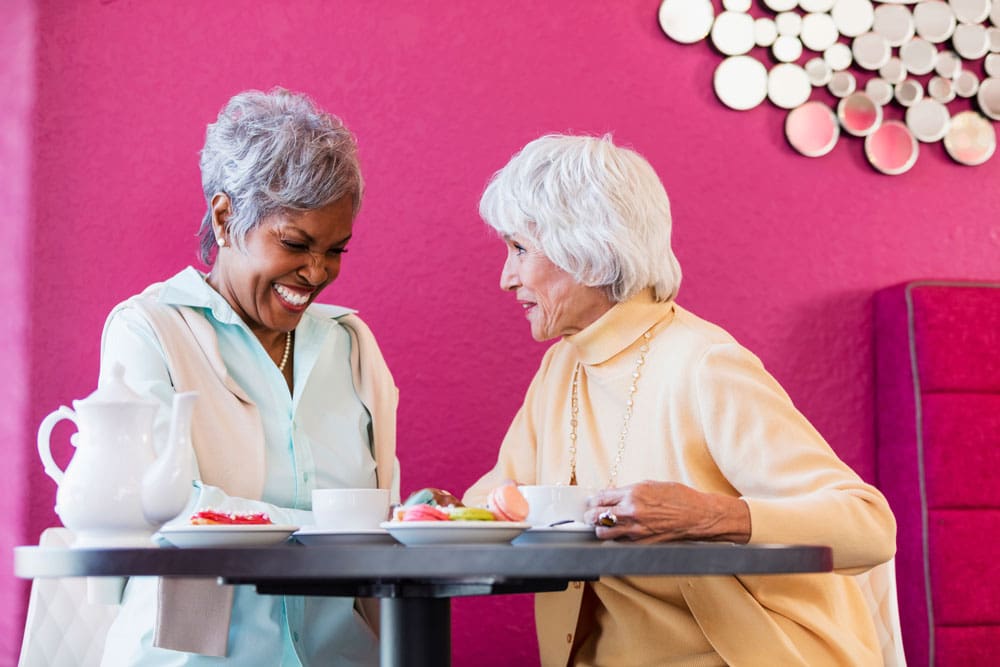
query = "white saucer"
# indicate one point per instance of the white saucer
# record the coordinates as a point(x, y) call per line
point(417, 533)
point(226, 535)
point(315, 536)
point(565, 534)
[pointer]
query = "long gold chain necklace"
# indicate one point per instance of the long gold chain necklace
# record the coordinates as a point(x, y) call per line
point(626, 418)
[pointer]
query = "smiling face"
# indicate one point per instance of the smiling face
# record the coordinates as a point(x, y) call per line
point(287, 261)
point(553, 301)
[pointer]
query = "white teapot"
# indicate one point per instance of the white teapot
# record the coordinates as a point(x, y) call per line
point(115, 490)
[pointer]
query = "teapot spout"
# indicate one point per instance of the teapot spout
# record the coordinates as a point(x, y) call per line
point(166, 484)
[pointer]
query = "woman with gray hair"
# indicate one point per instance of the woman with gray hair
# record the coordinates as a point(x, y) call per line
point(679, 429)
point(293, 395)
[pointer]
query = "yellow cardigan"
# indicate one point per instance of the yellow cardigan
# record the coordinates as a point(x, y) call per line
point(706, 414)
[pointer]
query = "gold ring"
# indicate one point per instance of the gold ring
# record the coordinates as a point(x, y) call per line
point(607, 519)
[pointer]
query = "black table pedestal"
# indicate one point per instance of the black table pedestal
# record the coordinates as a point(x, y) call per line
point(415, 632)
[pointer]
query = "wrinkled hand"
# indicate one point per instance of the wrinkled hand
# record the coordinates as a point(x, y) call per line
point(665, 511)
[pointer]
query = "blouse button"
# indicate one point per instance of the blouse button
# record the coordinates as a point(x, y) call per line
point(577, 584)
point(569, 639)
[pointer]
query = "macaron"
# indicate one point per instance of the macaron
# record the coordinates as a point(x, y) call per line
point(431, 496)
point(471, 514)
point(423, 513)
point(508, 503)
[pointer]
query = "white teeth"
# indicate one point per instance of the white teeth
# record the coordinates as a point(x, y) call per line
point(291, 297)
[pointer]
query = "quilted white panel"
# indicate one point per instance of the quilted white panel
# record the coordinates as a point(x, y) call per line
point(879, 587)
point(62, 628)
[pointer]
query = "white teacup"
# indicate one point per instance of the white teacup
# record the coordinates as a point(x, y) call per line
point(350, 509)
point(549, 504)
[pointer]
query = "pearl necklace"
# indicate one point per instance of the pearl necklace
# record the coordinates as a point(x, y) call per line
point(629, 404)
point(288, 351)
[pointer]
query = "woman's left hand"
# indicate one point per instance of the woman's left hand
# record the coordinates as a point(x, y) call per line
point(664, 511)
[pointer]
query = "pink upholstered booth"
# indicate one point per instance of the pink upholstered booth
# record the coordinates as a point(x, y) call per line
point(938, 393)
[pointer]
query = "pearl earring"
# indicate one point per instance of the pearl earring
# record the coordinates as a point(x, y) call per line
point(221, 241)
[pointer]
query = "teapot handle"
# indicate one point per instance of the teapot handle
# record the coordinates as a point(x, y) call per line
point(45, 432)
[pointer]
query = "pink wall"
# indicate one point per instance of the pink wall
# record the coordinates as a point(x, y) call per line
point(17, 35)
point(782, 250)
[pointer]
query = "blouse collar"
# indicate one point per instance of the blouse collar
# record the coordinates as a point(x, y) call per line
point(620, 327)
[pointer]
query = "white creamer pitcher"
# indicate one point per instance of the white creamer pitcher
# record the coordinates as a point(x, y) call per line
point(115, 490)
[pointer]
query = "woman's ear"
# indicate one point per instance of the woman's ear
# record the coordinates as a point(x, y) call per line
point(221, 210)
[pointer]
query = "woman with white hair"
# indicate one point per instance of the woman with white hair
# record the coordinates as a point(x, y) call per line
point(682, 430)
point(293, 395)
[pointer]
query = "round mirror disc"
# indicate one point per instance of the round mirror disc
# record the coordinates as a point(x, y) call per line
point(971, 139)
point(893, 71)
point(740, 82)
point(948, 64)
point(812, 129)
point(816, 6)
point(732, 33)
point(780, 5)
point(941, 89)
point(994, 35)
point(970, 11)
point(871, 50)
point(788, 23)
point(686, 21)
point(895, 23)
point(819, 72)
point(879, 90)
point(992, 65)
point(818, 32)
point(764, 31)
point(853, 17)
point(787, 49)
point(859, 115)
point(966, 83)
point(988, 97)
point(972, 42)
point(934, 20)
point(918, 55)
point(788, 85)
point(909, 92)
point(842, 84)
point(891, 148)
point(928, 120)
point(838, 56)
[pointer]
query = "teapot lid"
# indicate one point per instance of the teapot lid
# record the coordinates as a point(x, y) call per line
point(111, 388)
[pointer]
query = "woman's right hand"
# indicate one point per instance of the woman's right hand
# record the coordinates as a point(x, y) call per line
point(665, 511)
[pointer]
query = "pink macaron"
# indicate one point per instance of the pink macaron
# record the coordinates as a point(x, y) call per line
point(508, 503)
point(423, 513)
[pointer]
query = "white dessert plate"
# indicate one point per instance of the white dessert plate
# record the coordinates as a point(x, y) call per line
point(313, 536)
point(565, 534)
point(418, 533)
point(245, 535)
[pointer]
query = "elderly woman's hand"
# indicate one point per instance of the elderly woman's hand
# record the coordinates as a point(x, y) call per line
point(664, 511)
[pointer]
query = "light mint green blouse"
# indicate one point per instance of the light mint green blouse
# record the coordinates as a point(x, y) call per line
point(317, 436)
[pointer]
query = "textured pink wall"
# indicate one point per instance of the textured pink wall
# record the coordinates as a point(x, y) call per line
point(17, 86)
point(782, 250)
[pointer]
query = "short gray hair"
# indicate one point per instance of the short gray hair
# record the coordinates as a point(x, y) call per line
point(272, 152)
point(597, 211)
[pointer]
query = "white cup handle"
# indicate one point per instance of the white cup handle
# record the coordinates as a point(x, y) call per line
point(45, 432)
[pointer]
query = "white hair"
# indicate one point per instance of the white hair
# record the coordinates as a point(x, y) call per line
point(271, 152)
point(598, 211)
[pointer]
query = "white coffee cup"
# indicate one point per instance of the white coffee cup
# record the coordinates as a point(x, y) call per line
point(350, 509)
point(548, 504)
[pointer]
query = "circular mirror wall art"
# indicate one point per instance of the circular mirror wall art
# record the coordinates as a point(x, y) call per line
point(891, 148)
point(812, 129)
point(893, 73)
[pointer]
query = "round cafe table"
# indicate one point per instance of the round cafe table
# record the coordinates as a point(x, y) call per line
point(415, 584)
